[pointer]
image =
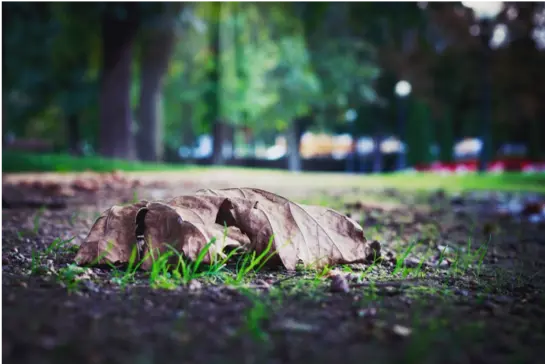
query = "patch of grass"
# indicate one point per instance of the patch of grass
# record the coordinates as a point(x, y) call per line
point(14, 161)
point(171, 269)
point(70, 276)
point(400, 262)
point(249, 264)
point(123, 278)
point(36, 263)
point(417, 182)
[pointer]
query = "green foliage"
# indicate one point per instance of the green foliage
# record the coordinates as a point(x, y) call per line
point(265, 74)
point(263, 65)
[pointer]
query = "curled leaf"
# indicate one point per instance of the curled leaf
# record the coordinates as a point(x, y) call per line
point(253, 219)
point(111, 238)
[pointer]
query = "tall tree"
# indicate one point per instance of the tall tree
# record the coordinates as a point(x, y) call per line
point(213, 94)
point(158, 37)
point(119, 23)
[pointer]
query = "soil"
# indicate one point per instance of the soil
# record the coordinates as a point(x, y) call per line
point(490, 310)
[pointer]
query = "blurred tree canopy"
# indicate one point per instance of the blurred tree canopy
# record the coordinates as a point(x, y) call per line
point(130, 80)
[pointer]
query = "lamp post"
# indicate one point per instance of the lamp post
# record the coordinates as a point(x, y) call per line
point(350, 116)
point(485, 13)
point(402, 90)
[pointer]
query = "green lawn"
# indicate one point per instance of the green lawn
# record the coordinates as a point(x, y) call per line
point(512, 181)
point(30, 162)
point(26, 162)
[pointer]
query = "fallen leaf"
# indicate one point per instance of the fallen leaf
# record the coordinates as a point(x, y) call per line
point(185, 230)
point(240, 217)
point(316, 235)
point(111, 238)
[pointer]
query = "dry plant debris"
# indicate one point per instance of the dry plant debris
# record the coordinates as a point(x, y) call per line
point(247, 218)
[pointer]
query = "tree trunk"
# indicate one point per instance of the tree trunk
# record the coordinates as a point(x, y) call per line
point(229, 144)
point(157, 47)
point(116, 138)
point(486, 124)
point(293, 141)
point(378, 136)
point(446, 138)
point(535, 142)
point(3, 25)
point(188, 134)
point(377, 153)
point(401, 161)
point(419, 133)
point(213, 95)
point(219, 132)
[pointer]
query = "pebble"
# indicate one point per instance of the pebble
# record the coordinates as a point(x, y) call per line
point(339, 284)
point(194, 285)
point(461, 292)
point(401, 330)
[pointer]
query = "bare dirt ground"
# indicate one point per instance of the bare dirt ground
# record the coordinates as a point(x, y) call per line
point(471, 290)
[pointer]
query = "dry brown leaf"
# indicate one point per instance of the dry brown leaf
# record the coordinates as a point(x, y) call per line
point(241, 217)
point(167, 224)
point(112, 237)
point(186, 223)
point(315, 235)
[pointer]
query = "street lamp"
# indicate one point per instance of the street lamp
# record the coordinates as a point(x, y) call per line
point(402, 90)
point(350, 116)
point(485, 13)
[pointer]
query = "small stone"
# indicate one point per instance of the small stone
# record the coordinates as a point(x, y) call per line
point(148, 303)
point(339, 284)
point(367, 312)
point(461, 292)
point(292, 325)
point(194, 285)
point(411, 262)
point(401, 330)
point(90, 286)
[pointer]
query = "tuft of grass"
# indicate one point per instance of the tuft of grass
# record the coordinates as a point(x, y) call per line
point(400, 263)
point(249, 264)
point(36, 220)
point(36, 262)
point(70, 276)
point(123, 278)
point(165, 274)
